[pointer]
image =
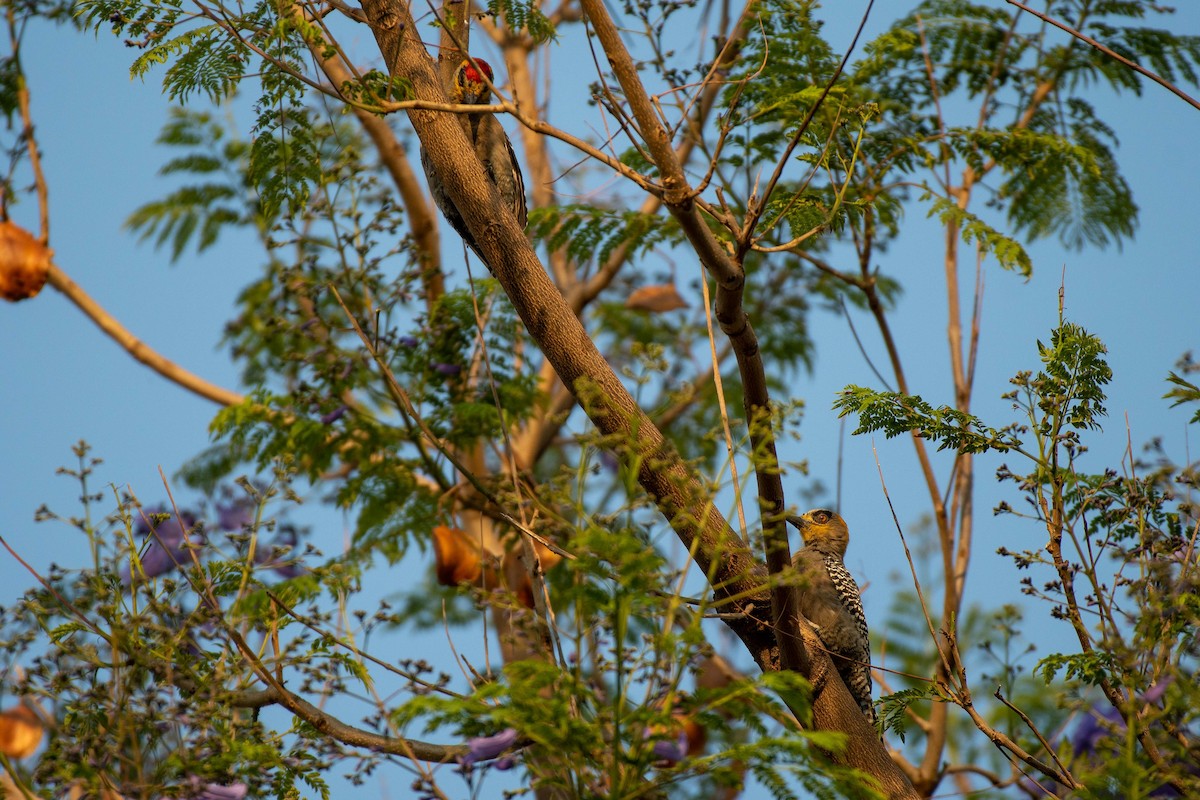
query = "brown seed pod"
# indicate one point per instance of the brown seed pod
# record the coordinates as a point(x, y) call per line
point(24, 263)
point(460, 560)
point(457, 561)
point(20, 732)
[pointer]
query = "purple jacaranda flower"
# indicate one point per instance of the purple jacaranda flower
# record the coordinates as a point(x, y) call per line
point(409, 341)
point(504, 763)
point(217, 791)
point(335, 415)
point(1097, 724)
point(671, 752)
point(482, 748)
point(1102, 720)
point(447, 369)
point(608, 461)
point(166, 545)
point(236, 516)
point(1155, 692)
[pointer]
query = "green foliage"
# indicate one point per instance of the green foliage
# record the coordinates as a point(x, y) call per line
point(1069, 392)
point(201, 59)
point(1090, 668)
point(284, 156)
point(590, 234)
point(893, 709)
point(1072, 188)
point(764, 112)
point(460, 399)
point(213, 57)
point(1185, 391)
point(593, 722)
point(374, 88)
point(11, 79)
point(521, 15)
point(198, 211)
point(141, 670)
point(1008, 251)
point(1060, 175)
point(1118, 551)
point(896, 414)
point(449, 371)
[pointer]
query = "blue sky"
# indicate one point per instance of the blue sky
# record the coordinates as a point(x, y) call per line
point(64, 381)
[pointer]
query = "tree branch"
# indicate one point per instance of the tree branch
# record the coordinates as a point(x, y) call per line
point(1172, 88)
point(136, 347)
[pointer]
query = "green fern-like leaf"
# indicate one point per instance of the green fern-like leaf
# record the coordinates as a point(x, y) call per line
point(284, 159)
point(896, 414)
point(522, 15)
point(893, 708)
point(591, 234)
point(201, 210)
point(1007, 250)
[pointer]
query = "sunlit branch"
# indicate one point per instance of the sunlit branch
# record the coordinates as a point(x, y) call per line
point(1172, 88)
point(137, 348)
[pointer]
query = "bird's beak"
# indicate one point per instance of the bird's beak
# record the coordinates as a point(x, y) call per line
point(800, 522)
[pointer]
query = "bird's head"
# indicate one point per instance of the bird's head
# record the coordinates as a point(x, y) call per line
point(470, 85)
point(823, 530)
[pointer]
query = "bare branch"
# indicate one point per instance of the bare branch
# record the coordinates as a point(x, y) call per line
point(136, 347)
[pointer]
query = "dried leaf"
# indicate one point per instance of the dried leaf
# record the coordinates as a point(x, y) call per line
point(657, 298)
point(459, 559)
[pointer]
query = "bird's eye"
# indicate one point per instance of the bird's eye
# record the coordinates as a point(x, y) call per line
point(821, 517)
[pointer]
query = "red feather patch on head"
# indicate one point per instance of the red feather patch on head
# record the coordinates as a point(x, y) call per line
point(471, 75)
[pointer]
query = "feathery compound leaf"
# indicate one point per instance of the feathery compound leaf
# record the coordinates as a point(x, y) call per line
point(896, 414)
point(1072, 385)
point(211, 63)
point(284, 159)
point(1069, 186)
point(1008, 251)
point(523, 15)
point(1184, 392)
point(591, 234)
point(1091, 668)
point(200, 210)
point(893, 714)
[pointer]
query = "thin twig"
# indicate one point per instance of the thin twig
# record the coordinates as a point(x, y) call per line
point(756, 213)
point(861, 349)
point(1172, 88)
point(1029, 724)
point(719, 386)
point(35, 160)
point(911, 566)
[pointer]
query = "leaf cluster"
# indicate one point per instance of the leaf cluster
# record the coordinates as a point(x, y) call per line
point(141, 670)
point(896, 414)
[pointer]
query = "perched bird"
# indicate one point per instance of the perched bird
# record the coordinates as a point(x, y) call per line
point(491, 146)
point(830, 600)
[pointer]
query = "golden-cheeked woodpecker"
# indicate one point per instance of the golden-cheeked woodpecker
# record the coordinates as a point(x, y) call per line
point(830, 600)
point(491, 146)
